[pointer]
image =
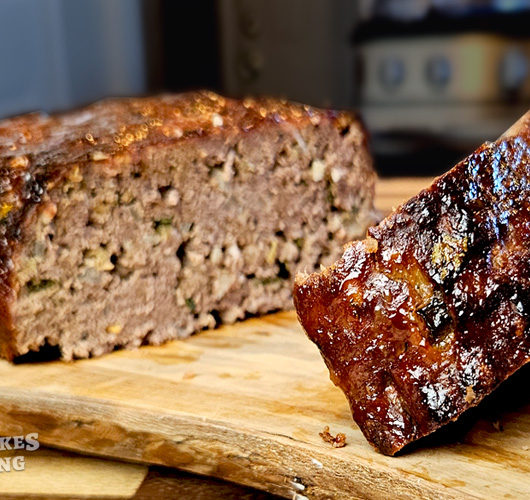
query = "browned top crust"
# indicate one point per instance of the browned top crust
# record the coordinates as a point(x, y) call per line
point(432, 311)
point(31, 144)
point(37, 151)
point(112, 125)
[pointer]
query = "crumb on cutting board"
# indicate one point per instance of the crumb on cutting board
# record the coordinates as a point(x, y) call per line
point(338, 441)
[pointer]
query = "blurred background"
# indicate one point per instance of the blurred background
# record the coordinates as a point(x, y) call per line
point(432, 79)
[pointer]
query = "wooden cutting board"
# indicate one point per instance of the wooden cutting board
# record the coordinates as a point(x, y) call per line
point(246, 403)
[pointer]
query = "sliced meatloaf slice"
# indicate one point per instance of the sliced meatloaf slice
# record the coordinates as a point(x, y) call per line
point(141, 220)
point(431, 312)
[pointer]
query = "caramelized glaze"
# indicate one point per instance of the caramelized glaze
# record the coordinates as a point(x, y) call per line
point(431, 312)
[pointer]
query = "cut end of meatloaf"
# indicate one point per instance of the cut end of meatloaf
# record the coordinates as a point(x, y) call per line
point(136, 221)
point(430, 313)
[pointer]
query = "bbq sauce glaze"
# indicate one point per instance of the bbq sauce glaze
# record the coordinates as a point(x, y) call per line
point(431, 312)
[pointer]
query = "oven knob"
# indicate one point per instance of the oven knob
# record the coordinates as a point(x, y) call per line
point(513, 69)
point(438, 71)
point(391, 72)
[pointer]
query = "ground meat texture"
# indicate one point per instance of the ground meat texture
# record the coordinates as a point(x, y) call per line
point(431, 312)
point(141, 220)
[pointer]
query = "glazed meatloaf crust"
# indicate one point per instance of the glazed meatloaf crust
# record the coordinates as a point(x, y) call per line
point(431, 312)
point(141, 220)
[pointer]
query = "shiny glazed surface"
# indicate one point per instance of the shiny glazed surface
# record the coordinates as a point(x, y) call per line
point(431, 312)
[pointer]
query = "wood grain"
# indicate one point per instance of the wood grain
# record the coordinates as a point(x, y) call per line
point(393, 191)
point(246, 403)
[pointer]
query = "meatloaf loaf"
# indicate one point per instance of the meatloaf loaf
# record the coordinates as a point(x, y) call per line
point(141, 220)
point(430, 313)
